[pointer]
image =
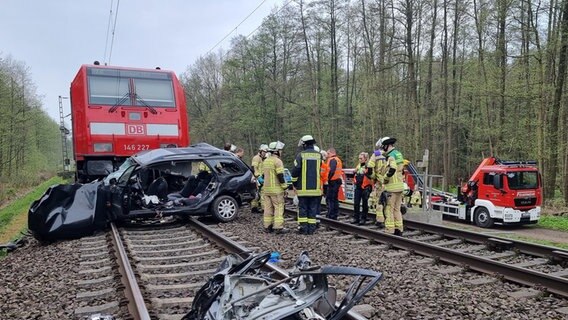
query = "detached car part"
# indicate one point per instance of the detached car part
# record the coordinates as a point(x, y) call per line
point(241, 289)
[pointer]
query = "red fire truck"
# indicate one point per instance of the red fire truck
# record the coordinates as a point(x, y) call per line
point(118, 111)
point(502, 192)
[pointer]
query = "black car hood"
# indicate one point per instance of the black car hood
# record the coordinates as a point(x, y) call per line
point(67, 211)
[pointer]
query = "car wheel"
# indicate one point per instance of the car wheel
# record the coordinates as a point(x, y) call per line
point(482, 218)
point(225, 208)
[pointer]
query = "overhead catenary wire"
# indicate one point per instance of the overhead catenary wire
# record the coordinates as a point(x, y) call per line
point(235, 28)
point(278, 11)
point(108, 30)
point(113, 30)
point(255, 29)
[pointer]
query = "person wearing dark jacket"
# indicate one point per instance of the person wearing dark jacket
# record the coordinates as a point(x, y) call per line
point(307, 183)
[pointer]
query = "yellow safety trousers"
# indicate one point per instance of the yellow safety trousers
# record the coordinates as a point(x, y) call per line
point(393, 214)
point(273, 211)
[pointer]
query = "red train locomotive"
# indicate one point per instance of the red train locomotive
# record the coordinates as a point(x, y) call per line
point(118, 111)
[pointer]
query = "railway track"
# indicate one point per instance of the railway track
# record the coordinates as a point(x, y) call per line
point(154, 273)
point(540, 267)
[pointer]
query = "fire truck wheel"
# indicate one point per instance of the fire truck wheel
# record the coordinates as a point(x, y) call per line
point(482, 218)
point(225, 208)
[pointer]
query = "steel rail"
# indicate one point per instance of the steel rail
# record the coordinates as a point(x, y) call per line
point(232, 246)
point(553, 284)
point(522, 246)
point(533, 249)
point(136, 305)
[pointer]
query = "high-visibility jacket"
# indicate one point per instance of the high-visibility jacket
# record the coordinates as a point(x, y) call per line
point(362, 170)
point(338, 168)
point(257, 165)
point(306, 173)
point(324, 172)
point(271, 168)
point(395, 161)
point(378, 164)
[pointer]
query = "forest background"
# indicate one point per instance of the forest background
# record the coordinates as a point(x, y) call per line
point(465, 79)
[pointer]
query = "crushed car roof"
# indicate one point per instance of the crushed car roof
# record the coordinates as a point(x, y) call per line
point(200, 150)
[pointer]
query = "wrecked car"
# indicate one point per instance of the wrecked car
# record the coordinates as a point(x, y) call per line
point(243, 289)
point(197, 180)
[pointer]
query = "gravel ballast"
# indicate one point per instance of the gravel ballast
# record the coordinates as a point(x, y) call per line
point(412, 287)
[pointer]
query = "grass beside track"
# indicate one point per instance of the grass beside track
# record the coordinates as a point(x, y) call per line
point(13, 218)
point(553, 222)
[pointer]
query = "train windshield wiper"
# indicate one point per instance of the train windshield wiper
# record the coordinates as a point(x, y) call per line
point(144, 103)
point(119, 102)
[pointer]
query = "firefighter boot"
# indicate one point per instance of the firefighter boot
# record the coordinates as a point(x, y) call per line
point(269, 229)
point(303, 228)
point(281, 231)
point(311, 228)
point(398, 232)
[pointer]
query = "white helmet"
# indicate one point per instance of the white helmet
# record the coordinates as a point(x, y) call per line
point(323, 154)
point(263, 147)
point(276, 146)
point(385, 141)
point(307, 139)
point(233, 148)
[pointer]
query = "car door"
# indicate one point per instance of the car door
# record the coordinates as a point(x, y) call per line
point(119, 194)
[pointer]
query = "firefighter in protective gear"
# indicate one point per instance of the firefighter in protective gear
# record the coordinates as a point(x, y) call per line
point(256, 165)
point(307, 182)
point(394, 185)
point(363, 187)
point(416, 198)
point(274, 187)
point(377, 164)
point(334, 182)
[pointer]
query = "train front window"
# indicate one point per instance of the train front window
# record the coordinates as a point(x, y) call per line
point(155, 93)
point(114, 87)
point(108, 91)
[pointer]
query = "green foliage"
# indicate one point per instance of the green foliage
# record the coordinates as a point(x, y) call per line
point(29, 138)
point(21, 206)
point(554, 222)
point(349, 83)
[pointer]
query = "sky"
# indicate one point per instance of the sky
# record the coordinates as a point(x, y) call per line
point(54, 38)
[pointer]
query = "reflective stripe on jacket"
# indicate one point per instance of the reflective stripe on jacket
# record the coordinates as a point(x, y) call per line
point(271, 167)
point(378, 163)
point(395, 160)
point(306, 173)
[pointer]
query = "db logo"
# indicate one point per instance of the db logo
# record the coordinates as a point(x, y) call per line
point(135, 129)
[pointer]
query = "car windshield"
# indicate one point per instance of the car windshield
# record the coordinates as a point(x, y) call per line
point(125, 165)
point(522, 180)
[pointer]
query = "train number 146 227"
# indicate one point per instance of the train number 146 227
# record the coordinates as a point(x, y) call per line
point(136, 147)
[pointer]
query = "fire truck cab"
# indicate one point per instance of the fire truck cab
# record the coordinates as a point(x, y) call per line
point(502, 192)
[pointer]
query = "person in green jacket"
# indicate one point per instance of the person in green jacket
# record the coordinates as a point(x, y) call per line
point(394, 185)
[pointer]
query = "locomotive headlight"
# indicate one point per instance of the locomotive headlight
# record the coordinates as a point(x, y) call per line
point(103, 147)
